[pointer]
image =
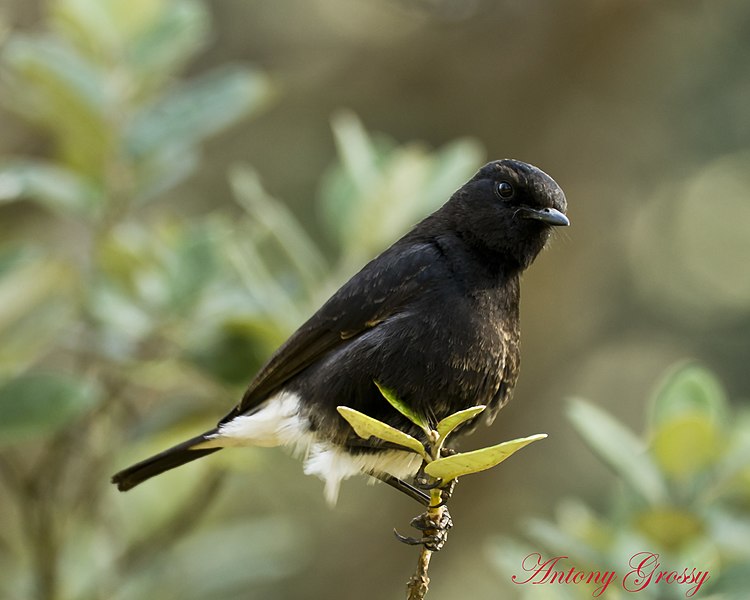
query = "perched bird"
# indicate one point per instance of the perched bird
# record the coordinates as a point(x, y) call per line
point(433, 318)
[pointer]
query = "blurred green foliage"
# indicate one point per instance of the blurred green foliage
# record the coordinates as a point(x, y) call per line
point(101, 83)
point(684, 494)
point(126, 323)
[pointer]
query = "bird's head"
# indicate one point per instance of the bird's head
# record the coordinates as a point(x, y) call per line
point(508, 208)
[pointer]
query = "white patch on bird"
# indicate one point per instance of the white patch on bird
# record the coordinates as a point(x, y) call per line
point(278, 423)
point(334, 464)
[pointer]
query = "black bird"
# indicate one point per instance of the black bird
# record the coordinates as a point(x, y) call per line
point(433, 318)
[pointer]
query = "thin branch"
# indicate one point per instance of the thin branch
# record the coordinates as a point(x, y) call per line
point(419, 582)
point(436, 515)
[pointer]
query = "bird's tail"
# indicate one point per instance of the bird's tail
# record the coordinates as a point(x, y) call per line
point(164, 461)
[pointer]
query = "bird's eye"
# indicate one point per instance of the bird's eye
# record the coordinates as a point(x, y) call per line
point(504, 190)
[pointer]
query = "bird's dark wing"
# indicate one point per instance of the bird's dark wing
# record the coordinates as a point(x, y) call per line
point(384, 287)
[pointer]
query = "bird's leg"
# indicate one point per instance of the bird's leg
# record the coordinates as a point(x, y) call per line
point(448, 488)
point(403, 487)
point(447, 491)
point(435, 522)
point(423, 481)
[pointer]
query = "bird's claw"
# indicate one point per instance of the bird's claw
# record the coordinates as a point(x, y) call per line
point(408, 540)
point(435, 530)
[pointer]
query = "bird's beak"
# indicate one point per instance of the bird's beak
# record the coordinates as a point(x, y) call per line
point(550, 216)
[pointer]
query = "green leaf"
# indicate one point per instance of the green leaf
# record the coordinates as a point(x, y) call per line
point(170, 41)
point(365, 427)
point(154, 38)
point(686, 445)
point(620, 449)
point(458, 465)
point(452, 165)
point(732, 471)
point(53, 186)
point(688, 388)
point(361, 196)
point(447, 425)
point(274, 219)
point(55, 72)
point(121, 320)
point(90, 26)
point(163, 170)
point(51, 84)
point(670, 527)
point(198, 109)
point(354, 185)
point(38, 404)
point(403, 408)
point(355, 149)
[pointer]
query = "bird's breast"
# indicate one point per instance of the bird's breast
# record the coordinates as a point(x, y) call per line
point(465, 355)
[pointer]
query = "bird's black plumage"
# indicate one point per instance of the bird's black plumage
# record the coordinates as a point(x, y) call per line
point(434, 318)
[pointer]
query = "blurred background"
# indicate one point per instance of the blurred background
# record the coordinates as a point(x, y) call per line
point(182, 182)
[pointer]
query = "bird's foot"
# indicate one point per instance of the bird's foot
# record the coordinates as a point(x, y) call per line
point(434, 527)
point(423, 482)
point(446, 491)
